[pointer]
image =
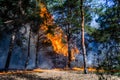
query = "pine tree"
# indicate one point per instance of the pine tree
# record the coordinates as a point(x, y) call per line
point(108, 34)
point(13, 15)
point(82, 36)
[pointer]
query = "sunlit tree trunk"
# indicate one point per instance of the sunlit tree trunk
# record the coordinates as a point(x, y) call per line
point(10, 50)
point(28, 54)
point(83, 36)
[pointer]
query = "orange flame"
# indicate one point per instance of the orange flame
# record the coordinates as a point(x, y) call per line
point(57, 43)
point(56, 39)
point(89, 69)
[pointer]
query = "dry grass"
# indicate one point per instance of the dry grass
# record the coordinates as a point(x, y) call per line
point(54, 74)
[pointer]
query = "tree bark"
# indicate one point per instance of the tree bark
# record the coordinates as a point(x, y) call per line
point(83, 37)
point(68, 38)
point(68, 42)
point(69, 52)
point(37, 49)
point(28, 55)
point(10, 50)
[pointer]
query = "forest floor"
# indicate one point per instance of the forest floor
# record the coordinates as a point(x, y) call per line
point(53, 75)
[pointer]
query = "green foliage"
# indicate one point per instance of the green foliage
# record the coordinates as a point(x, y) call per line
point(101, 36)
point(90, 30)
point(109, 23)
point(108, 35)
point(17, 12)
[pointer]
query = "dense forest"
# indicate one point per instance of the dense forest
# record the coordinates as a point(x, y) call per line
point(50, 34)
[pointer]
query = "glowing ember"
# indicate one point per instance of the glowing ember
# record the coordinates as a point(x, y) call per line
point(89, 69)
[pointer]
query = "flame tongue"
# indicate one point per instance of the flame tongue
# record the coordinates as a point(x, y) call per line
point(57, 43)
point(58, 37)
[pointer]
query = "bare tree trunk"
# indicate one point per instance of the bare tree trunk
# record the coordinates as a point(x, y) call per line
point(68, 64)
point(68, 39)
point(10, 50)
point(36, 59)
point(28, 55)
point(69, 52)
point(83, 37)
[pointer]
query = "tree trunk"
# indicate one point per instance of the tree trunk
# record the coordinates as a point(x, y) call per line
point(69, 52)
point(69, 48)
point(37, 48)
point(83, 38)
point(28, 55)
point(10, 50)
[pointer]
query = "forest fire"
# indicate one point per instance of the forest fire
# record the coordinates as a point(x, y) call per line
point(57, 37)
point(45, 70)
point(59, 40)
point(89, 69)
point(57, 44)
